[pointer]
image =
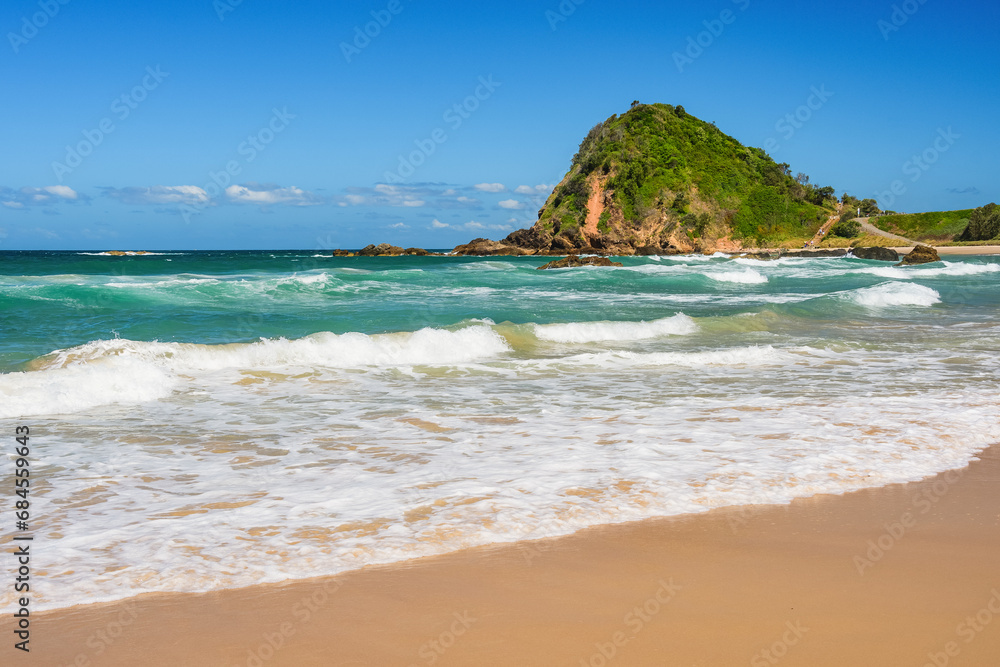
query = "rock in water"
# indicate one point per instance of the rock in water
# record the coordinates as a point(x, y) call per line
point(825, 252)
point(576, 260)
point(921, 254)
point(379, 250)
point(880, 254)
point(487, 247)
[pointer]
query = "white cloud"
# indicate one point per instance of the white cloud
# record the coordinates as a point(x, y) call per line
point(541, 189)
point(468, 200)
point(43, 196)
point(267, 195)
point(61, 191)
point(159, 194)
point(472, 225)
point(450, 192)
point(491, 187)
point(512, 204)
point(399, 225)
point(384, 194)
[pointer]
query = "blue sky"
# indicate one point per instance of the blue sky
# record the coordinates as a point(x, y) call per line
point(253, 124)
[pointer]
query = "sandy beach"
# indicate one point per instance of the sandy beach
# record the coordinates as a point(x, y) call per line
point(904, 574)
point(958, 250)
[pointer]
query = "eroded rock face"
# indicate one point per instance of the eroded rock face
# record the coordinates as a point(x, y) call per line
point(576, 260)
point(921, 254)
point(880, 254)
point(649, 250)
point(530, 238)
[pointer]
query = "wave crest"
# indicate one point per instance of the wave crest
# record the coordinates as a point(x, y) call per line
point(896, 294)
point(594, 332)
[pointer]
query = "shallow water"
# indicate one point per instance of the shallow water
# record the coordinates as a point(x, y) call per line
point(209, 420)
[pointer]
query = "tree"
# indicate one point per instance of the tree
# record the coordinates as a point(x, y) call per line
point(869, 207)
point(847, 229)
point(984, 224)
point(821, 195)
point(802, 179)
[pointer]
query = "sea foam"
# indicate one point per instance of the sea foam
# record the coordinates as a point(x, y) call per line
point(592, 332)
point(896, 294)
point(746, 277)
point(127, 372)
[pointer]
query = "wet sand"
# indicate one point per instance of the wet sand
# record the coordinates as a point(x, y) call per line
point(900, 575)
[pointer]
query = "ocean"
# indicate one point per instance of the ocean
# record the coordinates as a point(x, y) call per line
point(207, 420)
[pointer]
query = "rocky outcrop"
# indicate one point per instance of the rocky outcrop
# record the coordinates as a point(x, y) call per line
point(529, 239)
point(648, 183)
point(487, 247)
point(778, 254)
point(383, 250)
point(921, 254)
point(576, 260)
point(380, 250)
point(876, 253)
point(825, 252)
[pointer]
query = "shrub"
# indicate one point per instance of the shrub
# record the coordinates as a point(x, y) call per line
point(602, 223)
point(847, 229)
point(984, 224)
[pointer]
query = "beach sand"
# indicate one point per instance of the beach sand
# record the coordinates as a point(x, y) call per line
point(957, 250)
point(896, 575)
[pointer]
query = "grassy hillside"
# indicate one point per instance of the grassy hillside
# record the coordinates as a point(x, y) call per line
point(931, 227)
point(657, 174)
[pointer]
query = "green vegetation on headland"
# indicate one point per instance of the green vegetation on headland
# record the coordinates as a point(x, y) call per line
point(658, 179)
point(984, 224)
point(933, 227)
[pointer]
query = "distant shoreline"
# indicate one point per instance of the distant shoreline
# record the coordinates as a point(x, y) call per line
point(969, 250)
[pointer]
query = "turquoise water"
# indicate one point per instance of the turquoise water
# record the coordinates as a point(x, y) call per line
point(216, 419)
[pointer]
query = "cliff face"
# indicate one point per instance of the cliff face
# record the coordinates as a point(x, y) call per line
point(657, 180)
